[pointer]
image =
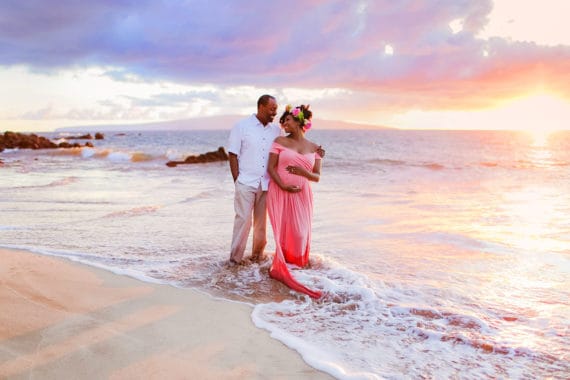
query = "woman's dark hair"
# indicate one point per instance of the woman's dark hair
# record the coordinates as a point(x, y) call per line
point(307, 114)
point(282, 118)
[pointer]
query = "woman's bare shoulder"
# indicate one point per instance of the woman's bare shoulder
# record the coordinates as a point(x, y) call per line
point(283, 140)
point(314, 147)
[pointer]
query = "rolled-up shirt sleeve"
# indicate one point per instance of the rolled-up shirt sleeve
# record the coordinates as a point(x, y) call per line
point(234, 142)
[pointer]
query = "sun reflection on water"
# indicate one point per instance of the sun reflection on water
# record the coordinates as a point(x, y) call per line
point(535, 215)
point(540, 139)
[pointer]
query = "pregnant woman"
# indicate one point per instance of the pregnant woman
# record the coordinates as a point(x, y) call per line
point(294, 161)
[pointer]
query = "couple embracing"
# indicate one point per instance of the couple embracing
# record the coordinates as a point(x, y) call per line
point(271, 168)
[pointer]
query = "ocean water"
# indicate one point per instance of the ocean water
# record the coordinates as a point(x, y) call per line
point(441, 254)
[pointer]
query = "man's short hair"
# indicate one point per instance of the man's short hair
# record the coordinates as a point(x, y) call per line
point(264, 99)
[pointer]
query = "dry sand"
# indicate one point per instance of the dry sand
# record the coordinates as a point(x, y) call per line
point(63, 320)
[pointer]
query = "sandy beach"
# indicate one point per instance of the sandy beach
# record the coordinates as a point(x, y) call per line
point(61, 319)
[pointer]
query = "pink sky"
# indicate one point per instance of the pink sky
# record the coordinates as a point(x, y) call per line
point(398, 63)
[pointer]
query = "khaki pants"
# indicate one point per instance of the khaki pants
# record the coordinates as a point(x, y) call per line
point(249, 200)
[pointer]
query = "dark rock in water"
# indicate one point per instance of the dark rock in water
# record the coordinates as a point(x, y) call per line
point(217, 155)
point(68, 145)
point(81, 137)
point(13, 140)
point(88, 136)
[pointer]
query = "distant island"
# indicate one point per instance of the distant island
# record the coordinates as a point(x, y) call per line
point(207, 123)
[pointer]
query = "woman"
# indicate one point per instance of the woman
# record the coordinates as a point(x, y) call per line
point(293, 162)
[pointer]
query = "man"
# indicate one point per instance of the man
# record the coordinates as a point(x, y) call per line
point(249, 144)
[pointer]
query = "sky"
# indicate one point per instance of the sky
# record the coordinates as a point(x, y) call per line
point(411, 64)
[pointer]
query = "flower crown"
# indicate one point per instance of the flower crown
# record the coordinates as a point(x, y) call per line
point(298, 114)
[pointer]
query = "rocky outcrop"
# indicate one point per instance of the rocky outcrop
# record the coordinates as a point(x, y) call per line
point(217, 155)
point(13, 140)
point(88, 136)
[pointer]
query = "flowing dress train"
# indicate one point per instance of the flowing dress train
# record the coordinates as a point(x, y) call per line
point(291, 215)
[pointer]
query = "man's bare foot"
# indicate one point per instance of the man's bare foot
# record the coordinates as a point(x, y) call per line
point(233, 263)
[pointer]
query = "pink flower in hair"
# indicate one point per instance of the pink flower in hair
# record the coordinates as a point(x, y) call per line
point(308, 125)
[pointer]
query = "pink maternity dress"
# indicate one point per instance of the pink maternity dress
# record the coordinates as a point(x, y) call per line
point(291, 215)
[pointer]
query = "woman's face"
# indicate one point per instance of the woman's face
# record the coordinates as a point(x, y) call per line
point(290, 124)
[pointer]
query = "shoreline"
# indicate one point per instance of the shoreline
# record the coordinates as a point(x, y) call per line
point(65, 319)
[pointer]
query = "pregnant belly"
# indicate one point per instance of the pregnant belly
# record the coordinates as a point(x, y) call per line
point(292, 179)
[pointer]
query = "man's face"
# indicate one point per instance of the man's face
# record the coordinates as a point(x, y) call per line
point(269, 110)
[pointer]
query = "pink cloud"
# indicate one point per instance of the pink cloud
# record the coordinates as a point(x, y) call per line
point(289, 44)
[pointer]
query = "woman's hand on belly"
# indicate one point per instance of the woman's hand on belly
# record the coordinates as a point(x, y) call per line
point(291, 179)
point(292, 188)
point(296, 170)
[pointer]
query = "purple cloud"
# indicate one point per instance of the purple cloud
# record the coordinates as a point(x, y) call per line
point(286, 44)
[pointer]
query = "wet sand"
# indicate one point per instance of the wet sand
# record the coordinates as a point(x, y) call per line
point(60, 319)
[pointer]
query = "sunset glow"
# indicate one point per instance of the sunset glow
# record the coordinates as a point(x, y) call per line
point(489, 65)
point(539, 114)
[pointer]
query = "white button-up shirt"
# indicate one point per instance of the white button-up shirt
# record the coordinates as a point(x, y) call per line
point(250, 141)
